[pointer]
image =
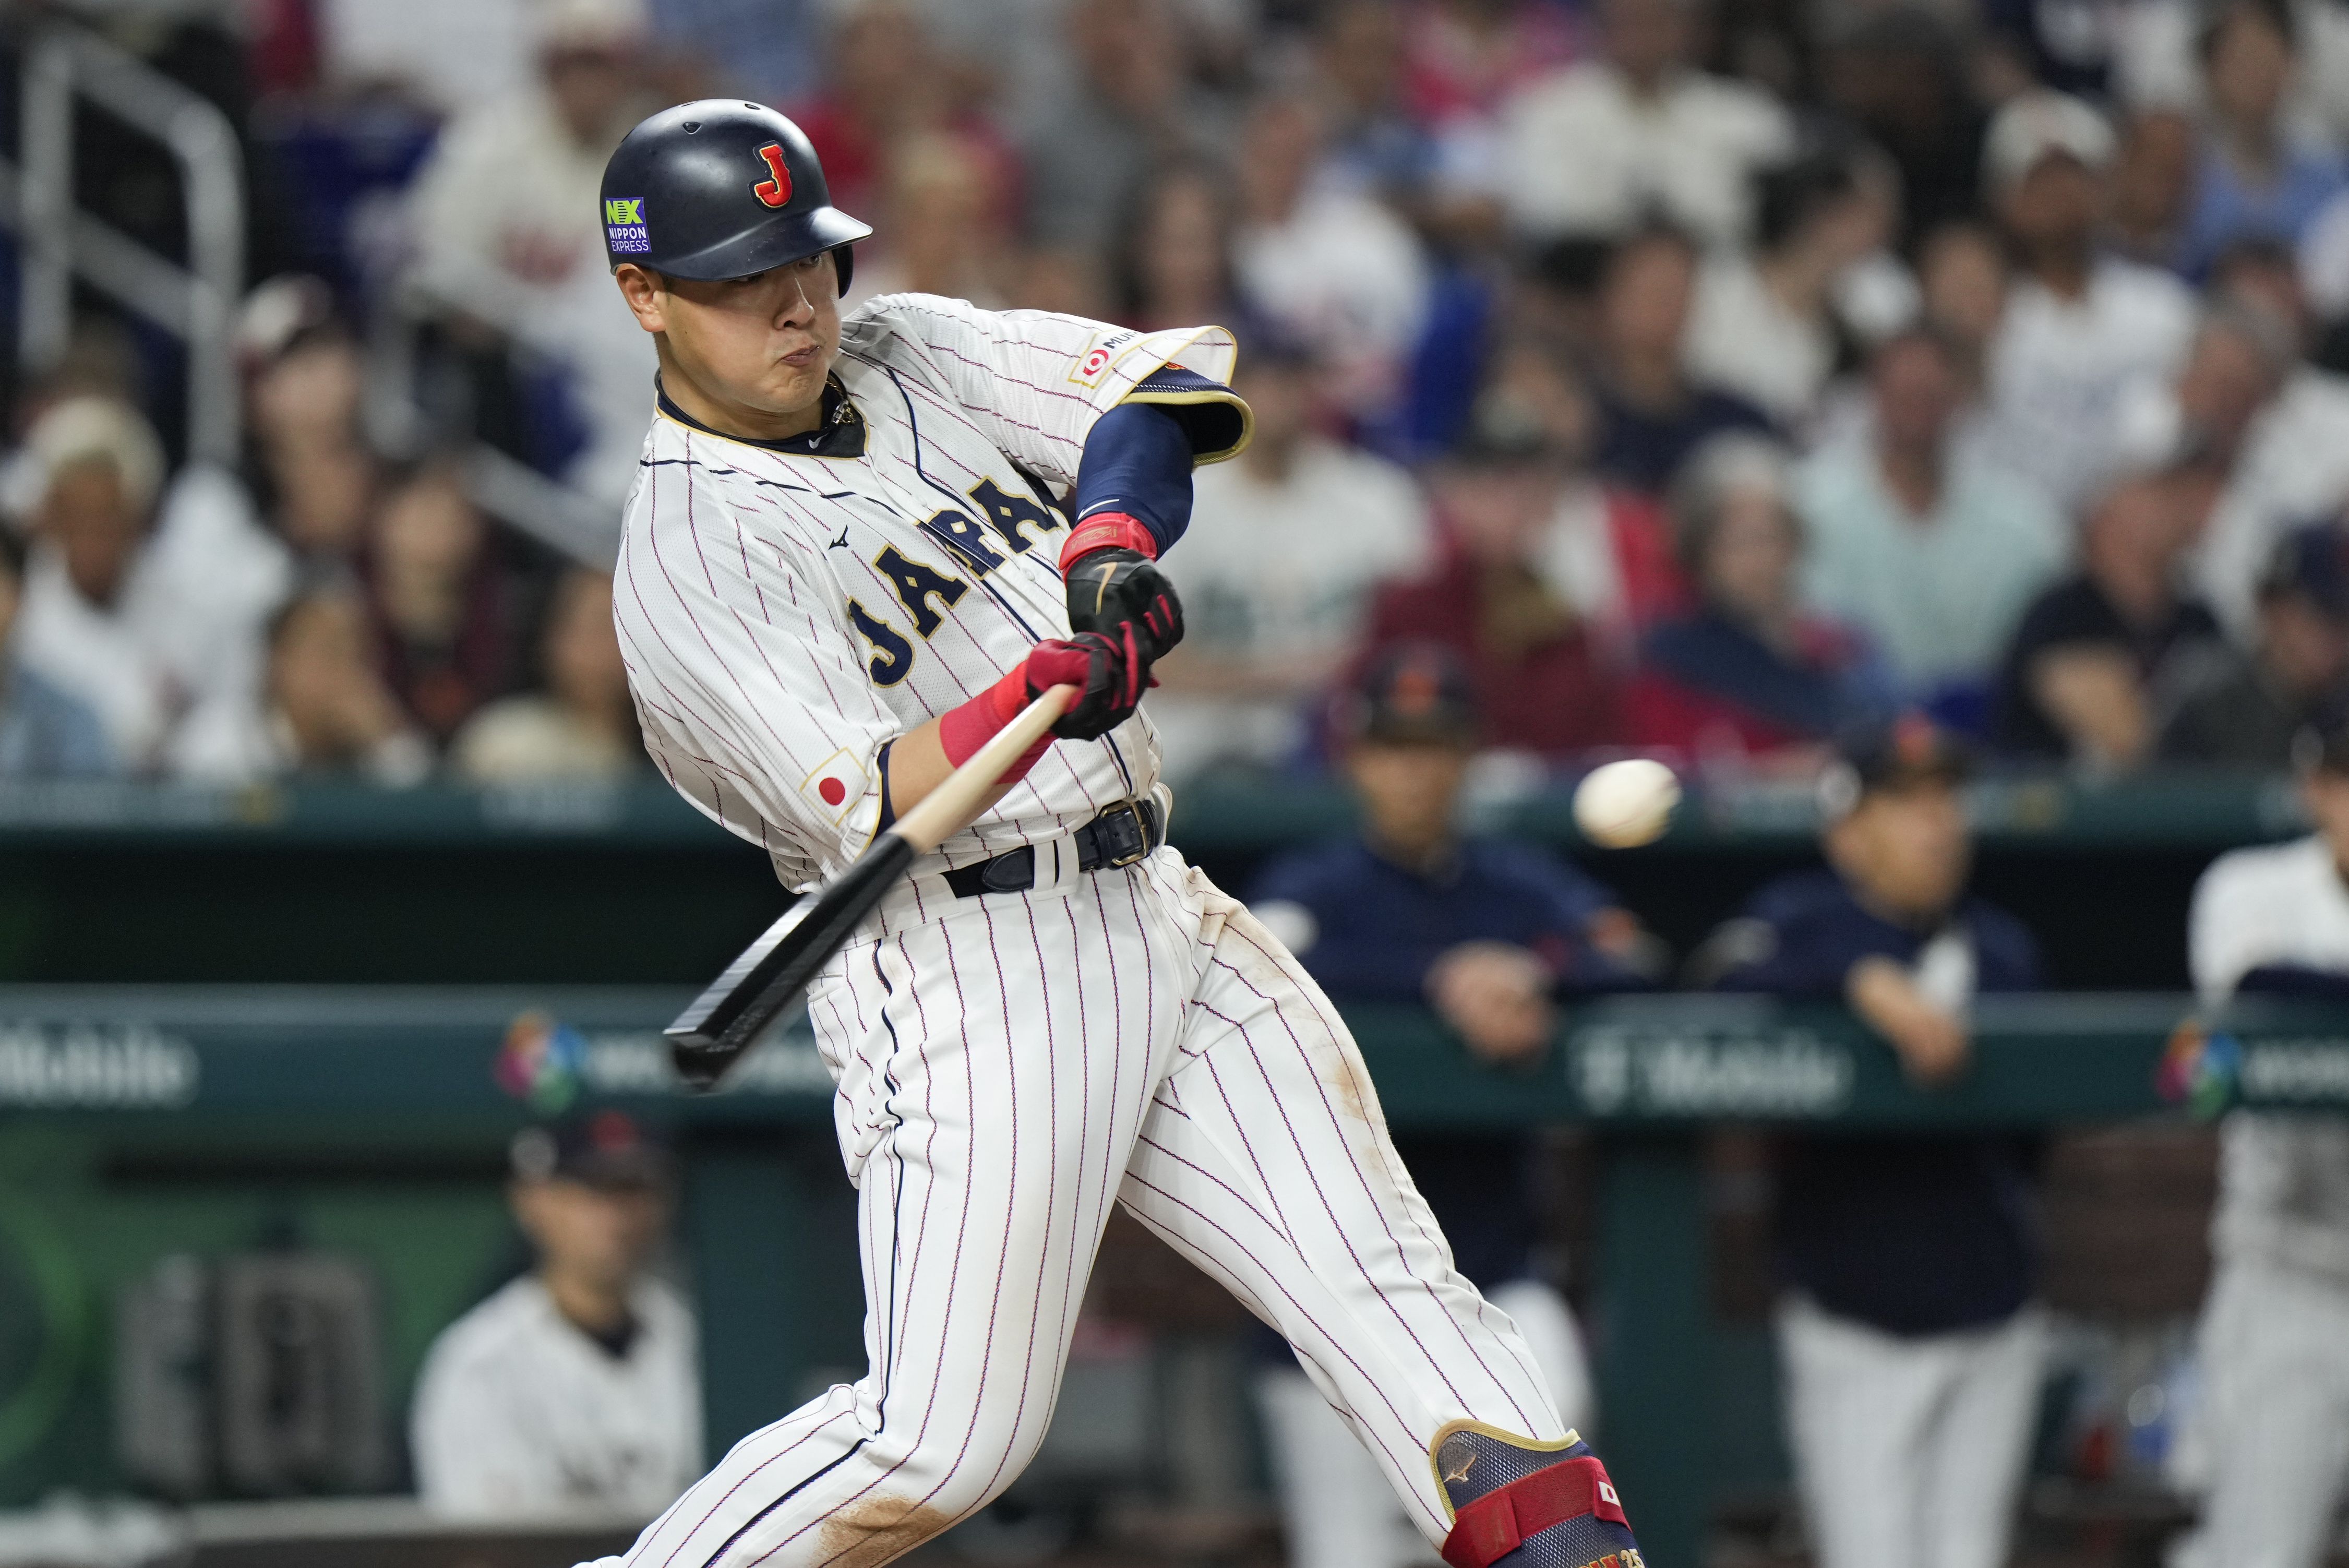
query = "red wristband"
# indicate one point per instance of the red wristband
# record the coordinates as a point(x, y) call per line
point(962, 731)
point(1108, 531)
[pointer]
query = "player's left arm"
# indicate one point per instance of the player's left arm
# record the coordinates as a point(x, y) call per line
point(1114, 420)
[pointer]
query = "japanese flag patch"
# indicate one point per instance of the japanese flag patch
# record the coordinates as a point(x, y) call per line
point(835, 786)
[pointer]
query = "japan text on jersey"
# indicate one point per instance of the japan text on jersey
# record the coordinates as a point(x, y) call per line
point(787, 608)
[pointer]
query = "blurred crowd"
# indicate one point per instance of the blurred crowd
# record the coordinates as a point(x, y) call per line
point(1707, 378)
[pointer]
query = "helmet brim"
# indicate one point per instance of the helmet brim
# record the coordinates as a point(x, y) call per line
point(769, 245)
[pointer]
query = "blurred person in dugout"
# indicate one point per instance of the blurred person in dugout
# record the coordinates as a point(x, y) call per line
point(1910, 1345)
point(578, 1385)
point(1287, 544)
point(2275, 921)
point(579, 723)
point(509, 232)
point(1490, 935)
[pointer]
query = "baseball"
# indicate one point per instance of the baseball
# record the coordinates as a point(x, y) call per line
point(1624, 804)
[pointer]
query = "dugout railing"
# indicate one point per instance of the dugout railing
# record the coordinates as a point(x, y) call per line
point(230, 1085)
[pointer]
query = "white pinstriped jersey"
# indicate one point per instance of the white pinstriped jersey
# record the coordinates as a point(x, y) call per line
point(785, 614)
point(1012, 1063)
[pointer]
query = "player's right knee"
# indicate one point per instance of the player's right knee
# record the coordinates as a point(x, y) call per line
point(1517, 1503)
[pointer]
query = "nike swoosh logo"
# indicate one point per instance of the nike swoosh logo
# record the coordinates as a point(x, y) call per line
point(1107, 570)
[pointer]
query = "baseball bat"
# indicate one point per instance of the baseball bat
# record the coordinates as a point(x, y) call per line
point(736, 1008)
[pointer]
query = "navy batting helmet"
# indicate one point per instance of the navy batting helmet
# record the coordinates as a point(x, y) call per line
point(719, 189)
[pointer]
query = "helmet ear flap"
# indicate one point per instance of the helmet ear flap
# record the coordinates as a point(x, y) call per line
point(844, 262)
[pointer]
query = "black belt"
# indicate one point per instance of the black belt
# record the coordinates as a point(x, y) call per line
point(1120, 836)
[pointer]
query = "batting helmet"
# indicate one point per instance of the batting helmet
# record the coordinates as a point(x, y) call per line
point(720, 189)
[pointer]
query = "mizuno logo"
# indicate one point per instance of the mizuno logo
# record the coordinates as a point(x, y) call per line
point(840, 543)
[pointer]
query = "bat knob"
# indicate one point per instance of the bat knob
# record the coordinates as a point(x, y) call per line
point(699, 1064)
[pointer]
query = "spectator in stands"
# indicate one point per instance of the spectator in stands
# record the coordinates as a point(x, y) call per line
point(945, 214)
point(1172, 260)
point(580, 724)
point(2265, 438)
point(1285, 545)
point(1490, 935)
point(1541, 676)
point(1132, 105)
point(1767, 326)
point(883, 81)
point(1330, 264)
point(506, 220)
point(1600, 144)
point(45, 730)
point(1374, 144)
point(443, 632)
point(2254, 178)
point(1606, 550)
point(2080, 332)
point(312, 473)
point(1961, 272)
point(2275, 921)
point(1914, 538)
point(2099, 655)
point(1435, 166)
point(577, 1385)
point(1905, 76)
point(2243, 708)
point(2152, 183)
point(1652, 414)
point(92, 619)
point(1464, 60)
point(1747, 673)
point(1910, 1348)
point(319, 708)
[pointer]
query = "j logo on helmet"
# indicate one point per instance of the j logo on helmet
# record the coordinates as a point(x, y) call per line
point(777, 190)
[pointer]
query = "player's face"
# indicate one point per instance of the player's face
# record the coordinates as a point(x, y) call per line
point(1409, 793)
point(757, 347)
point(1905, 848)
point(603, 1234)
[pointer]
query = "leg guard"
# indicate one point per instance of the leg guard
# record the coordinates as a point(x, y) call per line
point(1516, 1503)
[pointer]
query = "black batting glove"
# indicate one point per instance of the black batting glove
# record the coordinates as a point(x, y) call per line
point(1110, 589)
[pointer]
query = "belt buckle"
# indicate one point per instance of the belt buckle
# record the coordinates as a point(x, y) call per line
point(1142, 844)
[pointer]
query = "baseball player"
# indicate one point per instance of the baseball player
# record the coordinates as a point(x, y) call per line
point(2275, 920)
point(847, 563)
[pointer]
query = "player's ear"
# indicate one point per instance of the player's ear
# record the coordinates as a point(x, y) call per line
point(646, 293)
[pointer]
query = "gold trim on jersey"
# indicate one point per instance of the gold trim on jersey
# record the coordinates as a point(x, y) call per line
point(1224, 394)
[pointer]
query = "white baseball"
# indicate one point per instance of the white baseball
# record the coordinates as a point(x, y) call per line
point(1624, 804)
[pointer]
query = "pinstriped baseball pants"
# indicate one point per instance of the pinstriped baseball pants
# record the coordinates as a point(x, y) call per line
point(1009, 1067)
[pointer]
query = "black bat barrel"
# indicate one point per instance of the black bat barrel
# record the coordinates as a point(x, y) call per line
point(738, 1006)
